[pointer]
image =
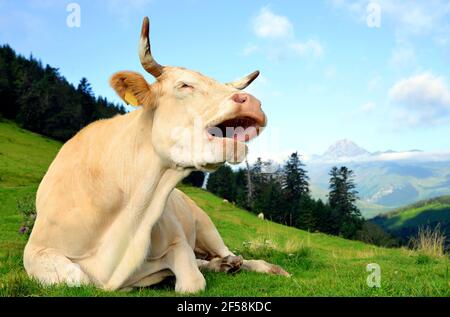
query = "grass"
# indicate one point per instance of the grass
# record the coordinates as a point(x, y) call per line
point(430, 241)
point(321, 265)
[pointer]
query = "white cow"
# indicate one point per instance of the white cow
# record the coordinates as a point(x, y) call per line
point(107, 210)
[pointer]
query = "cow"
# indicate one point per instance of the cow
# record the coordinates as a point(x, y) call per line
point(108, 212)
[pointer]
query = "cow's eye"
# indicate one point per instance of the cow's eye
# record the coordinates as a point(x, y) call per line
point(185, 86)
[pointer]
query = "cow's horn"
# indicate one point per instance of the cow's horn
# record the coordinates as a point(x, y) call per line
point(145, 53)
point(244, 82)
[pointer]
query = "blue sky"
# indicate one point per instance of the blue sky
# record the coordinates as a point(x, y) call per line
point(327, 73)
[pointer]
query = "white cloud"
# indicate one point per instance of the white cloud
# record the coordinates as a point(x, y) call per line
point(270, 25)
point(408, 17)
point(311, 48)
point(424, 99)
point(279, 157)
point(406, 156)
point(269, 28)
point(415, 156)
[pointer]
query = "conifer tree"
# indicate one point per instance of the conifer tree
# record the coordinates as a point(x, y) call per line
point(342, 198)
point(296, 190)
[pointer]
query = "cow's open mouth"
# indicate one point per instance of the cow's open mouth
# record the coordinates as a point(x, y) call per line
point(241, 129)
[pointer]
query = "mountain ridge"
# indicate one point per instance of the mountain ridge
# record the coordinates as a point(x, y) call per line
point(404, 223)
point(344, 148)
point(384, 179)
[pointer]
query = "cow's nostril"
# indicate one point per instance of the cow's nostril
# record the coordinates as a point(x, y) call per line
point(239, 98)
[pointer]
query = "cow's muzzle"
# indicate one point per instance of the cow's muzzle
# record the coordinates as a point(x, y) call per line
point(246, 122)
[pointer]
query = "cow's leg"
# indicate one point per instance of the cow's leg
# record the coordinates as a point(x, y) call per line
point(153, 279)
point(50, 267)
point(210, 242)
point(228, 264)
point(180, 259)
point(262, 266)
point(150, 273)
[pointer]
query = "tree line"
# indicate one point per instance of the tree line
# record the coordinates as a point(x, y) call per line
point(40, 99)
point(283, 196)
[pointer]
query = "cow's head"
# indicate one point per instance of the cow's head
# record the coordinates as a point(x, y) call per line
point(196, 121)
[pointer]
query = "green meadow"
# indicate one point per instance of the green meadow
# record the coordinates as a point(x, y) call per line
point(320, 265)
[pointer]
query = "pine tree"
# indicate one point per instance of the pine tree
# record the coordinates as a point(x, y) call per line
point(295, 188)
point(195, 178)
point(257, 181)
point(249, 187)
point(87, 101)
point(41, 100)
point(342, 198)
point(222, 183)
point(240, 180)
point(325, 220)
point(270, 201)
point(305, 217)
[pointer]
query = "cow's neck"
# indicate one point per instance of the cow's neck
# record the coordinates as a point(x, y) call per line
point(148, 195)
point(150, 173)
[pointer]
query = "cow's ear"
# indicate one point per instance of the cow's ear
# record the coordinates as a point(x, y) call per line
point(132, 88)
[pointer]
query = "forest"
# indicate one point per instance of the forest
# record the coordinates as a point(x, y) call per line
point(40, 99)
point(283, 196)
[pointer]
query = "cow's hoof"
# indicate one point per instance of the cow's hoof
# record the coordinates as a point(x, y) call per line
point(278, 270)
point(191, 286)
point(231, 264)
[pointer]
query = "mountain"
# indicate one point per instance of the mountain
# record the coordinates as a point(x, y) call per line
point(344, 148)
point(385, 179)
point(320, 264)
point(404, 223)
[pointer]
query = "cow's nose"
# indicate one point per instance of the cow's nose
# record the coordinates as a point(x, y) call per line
point(250, 106)
point(246, 100)
point(240, 98)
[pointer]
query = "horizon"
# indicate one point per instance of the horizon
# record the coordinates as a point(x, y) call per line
point(382, 85)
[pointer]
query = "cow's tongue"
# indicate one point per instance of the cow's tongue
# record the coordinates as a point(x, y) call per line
point(238, 129)
point(245, 136)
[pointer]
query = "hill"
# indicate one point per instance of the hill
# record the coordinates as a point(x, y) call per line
point(40, 99)
point(385, 179)
point(321, 265)
point(405, 222)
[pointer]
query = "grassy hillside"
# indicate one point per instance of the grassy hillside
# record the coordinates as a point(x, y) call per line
point(405, 222)
point(321, 265)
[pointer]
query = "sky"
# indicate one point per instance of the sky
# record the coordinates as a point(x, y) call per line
point(375, 72)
